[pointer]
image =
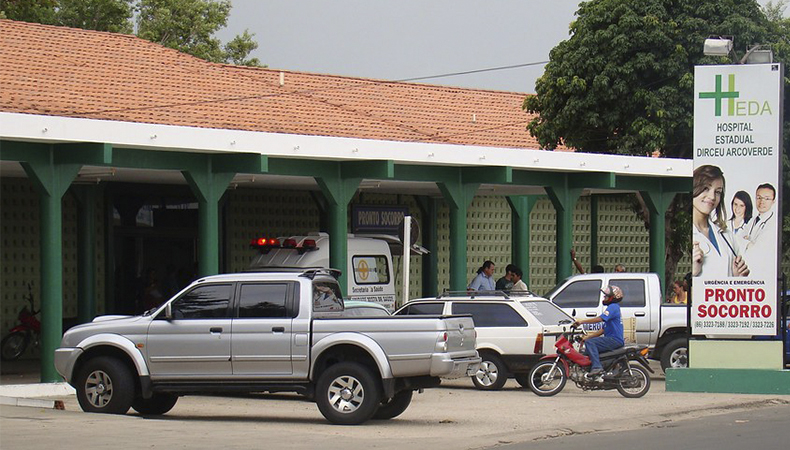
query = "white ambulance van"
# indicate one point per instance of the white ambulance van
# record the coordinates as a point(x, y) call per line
point(371, 276)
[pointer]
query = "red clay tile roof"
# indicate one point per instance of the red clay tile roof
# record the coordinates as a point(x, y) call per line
point(71, 72)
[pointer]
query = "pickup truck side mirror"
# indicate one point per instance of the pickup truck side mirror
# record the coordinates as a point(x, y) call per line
point(169, 311)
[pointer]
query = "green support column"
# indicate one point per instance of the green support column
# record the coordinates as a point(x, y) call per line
point(658, 202)
point(593, 230)
point(429, 207)
point(86, 251)
point(51, 180)
point(209, 187)
point(564, 200)
point(339, 182)
point(458, 196)
point(338, 192)
point(520, 208)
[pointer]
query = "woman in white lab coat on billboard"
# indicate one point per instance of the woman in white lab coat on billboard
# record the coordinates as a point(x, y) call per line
point(715, 250)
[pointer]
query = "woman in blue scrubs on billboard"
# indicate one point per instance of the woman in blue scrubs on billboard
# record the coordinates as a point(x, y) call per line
point(715, 251)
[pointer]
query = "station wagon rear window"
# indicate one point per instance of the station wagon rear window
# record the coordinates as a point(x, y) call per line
point(490, 314)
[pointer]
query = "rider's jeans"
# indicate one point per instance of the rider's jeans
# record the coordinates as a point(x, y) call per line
point(598, 345)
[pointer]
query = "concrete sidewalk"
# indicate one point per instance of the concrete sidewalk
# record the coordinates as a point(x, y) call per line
point(454, 416)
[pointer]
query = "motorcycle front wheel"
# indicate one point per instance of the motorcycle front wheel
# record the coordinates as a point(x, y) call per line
point(14, 345)
point(547, 379)
point(634, 385)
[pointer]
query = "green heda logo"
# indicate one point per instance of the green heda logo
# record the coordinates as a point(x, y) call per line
point(735, 105)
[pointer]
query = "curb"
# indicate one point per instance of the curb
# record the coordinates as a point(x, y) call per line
point(33, 402)
point(36, 390)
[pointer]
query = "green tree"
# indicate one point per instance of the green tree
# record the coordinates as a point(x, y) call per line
point(101, 15)
point(35, 11)
point(185, 25)
point(189, 26)
point(623, 82)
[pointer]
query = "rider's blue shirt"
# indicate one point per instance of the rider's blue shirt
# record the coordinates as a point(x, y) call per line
point(613, 322)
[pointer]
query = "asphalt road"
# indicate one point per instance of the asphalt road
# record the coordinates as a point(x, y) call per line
point(758, 428)
point(454, 416)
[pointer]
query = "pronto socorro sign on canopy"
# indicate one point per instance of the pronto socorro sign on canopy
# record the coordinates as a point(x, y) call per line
point(735, 213)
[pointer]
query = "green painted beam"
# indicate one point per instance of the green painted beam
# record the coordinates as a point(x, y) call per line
point(419, 172)
point(241, 163)
point(21, 151)
point(86, 154)
point(379, 170)
point(667, 184)
point(487, 175)
point(592, 180)
point(302, 167)
point(536, 178)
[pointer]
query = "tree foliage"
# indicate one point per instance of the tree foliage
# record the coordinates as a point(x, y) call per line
point(623, 82)
point(185, 25)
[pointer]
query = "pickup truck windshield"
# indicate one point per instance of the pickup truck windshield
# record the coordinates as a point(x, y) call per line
point(547, 313)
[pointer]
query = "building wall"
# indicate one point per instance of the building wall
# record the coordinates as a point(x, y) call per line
point(250, 213)
point(19, 251)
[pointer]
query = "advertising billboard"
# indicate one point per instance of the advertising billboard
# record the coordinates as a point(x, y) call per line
point(735, 199)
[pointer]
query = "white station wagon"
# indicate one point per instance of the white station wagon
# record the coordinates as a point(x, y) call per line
point(510, 329)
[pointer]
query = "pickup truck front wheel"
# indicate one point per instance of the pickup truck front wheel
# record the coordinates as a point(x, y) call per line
point(105, 385)
point(675, 355)
point(347, 393)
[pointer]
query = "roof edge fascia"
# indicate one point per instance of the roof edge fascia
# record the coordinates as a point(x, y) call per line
point(57, 129)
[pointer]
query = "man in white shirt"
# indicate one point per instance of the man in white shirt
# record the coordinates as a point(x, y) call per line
point(760, 252)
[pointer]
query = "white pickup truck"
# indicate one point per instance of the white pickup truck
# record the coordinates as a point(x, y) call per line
point(659, 325)
point(264, 332)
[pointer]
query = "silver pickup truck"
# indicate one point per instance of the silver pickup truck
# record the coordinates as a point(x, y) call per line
point(264, 332)
point(659, 325)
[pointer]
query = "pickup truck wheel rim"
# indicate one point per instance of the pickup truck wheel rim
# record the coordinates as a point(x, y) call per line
point(487, 374)
point(346, 394)
point(679, 358)
point(98, 388)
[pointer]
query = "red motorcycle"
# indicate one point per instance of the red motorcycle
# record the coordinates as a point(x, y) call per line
point(16, 341)
point(549, 376)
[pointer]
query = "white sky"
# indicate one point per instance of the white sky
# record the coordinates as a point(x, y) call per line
point(401, 39)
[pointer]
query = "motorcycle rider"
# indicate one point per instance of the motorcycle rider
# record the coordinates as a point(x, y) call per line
point(612, 329)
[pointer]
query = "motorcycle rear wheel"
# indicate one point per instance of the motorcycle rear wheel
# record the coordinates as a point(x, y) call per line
point(636, 385)
point(14, 345)
point(544, 385)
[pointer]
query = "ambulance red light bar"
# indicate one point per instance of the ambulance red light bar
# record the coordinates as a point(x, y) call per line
point(289, 243)
point(265, 242)
point(309, 244)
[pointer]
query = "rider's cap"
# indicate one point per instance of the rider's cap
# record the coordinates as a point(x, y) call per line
point(612, 291)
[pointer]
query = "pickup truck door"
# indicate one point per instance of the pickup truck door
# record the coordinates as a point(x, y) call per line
point(262, 329)
point(582, 296)
point(634, 304)
point(196, 340)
